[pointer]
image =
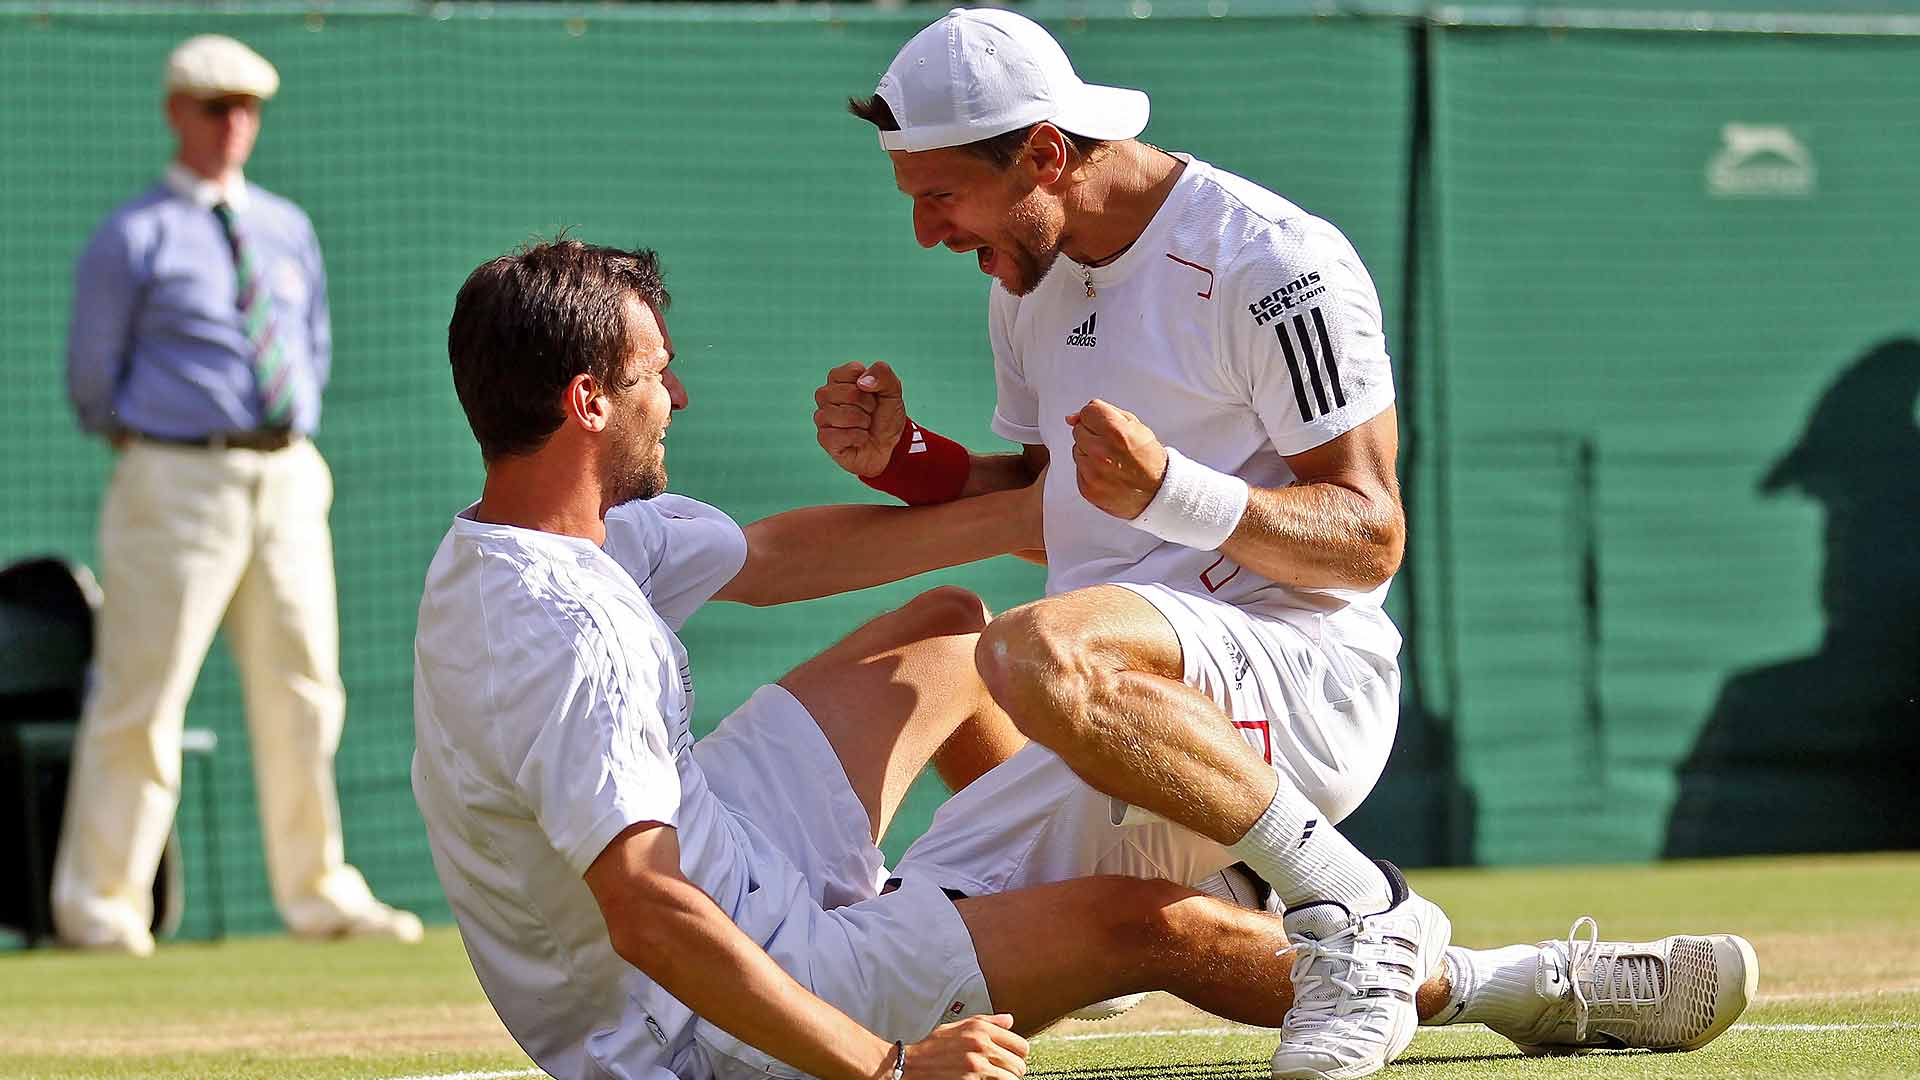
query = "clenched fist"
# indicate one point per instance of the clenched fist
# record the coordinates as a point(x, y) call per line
point(1116, 459)
point(859, 415)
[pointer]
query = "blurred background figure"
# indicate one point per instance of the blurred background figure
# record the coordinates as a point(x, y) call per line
point(199, 348)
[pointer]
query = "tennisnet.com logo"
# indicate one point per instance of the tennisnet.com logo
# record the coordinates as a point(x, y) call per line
point(1760, 161)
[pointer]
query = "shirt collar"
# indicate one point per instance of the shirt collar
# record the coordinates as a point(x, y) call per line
point(205, 193)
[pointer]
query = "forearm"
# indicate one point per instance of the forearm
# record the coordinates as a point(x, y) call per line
point(825, 550)
point(698, 955)
point(998, 472)
point(1319, 536)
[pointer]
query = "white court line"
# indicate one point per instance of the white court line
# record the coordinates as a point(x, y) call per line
point(504, 1075)
point(1838, 995)
point(1888, 1025)
point(1096, 1036)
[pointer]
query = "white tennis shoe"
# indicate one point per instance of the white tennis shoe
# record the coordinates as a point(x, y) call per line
point(378, 922)
point(1678, 993)
point(1354, 980)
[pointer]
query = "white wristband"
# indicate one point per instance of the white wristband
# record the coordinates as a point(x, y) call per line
point(1196, 507)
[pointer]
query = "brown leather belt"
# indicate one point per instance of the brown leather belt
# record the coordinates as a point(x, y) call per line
point(278, 439)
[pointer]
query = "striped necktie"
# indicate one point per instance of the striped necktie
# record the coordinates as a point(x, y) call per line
point(270, 367)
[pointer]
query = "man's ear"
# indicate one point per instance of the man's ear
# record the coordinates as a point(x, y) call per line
point(1045, 155)
point(586, 403)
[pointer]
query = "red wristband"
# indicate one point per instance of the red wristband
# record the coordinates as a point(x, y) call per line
point(925, 468)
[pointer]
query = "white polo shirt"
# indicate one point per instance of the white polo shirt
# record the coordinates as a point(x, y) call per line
point(1240, 329)
point(551, 709)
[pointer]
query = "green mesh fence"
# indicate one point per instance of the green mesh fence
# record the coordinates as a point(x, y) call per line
point(422, 145)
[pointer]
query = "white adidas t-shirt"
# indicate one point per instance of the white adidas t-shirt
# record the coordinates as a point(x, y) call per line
point(1240, 329)
point(551, 709)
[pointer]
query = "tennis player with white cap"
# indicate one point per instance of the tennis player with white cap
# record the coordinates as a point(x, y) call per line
point(1212, 677)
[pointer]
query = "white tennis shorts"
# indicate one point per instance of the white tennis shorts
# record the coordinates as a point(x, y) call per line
point(899, 964)
point(1323, 715)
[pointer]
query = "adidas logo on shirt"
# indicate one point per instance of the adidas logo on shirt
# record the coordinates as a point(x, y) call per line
point(1082, 335)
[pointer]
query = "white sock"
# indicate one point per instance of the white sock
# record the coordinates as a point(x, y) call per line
point(1492, 986)
point(1299, 852)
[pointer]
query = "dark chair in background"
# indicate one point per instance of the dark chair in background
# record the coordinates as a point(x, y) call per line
point(47, 608)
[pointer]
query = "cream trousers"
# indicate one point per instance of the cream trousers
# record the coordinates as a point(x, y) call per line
point(191, 538)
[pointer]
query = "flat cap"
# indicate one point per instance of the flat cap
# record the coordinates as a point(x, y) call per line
point(214, 65)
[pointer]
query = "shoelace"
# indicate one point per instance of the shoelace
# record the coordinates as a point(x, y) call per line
point(1631, 979)
point(1578, 953)
point(1311, 1005)
point(1313, 1008)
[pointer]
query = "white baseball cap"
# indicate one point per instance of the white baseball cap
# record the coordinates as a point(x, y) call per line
point(214, 65)
point(981, 72)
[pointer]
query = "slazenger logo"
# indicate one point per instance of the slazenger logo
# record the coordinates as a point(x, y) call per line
point(1763, 160)
point(1299, 290)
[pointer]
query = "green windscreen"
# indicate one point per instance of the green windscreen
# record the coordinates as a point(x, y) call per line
point(1675, 359)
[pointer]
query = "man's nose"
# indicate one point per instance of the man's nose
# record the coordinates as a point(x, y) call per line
point(930, 227)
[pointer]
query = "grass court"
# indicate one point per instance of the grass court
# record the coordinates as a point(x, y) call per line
point(1838, 939)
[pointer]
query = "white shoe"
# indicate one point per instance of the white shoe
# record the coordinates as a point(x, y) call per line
point(1678, 993)
point(378, 922)
point(1236, 885)
point(1354, 980)
point(136, 945)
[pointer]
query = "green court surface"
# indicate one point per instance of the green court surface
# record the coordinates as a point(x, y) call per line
point(1838, 940)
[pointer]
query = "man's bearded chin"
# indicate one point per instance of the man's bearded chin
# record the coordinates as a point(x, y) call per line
point(639, 476)
point(1034, 268)
point(1035, 249)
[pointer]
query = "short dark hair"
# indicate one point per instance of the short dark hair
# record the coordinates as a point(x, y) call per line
point(527, 323)
point(1000, 151)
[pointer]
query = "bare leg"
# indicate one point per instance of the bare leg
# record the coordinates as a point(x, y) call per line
point(981, 742)
point(1049, 950)
point(894, 692)
point(1095, 676)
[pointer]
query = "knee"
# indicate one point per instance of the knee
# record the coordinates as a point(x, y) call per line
point(947, 611)
point(1149, 916)
point(1040, 670)
point(1011, 654)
